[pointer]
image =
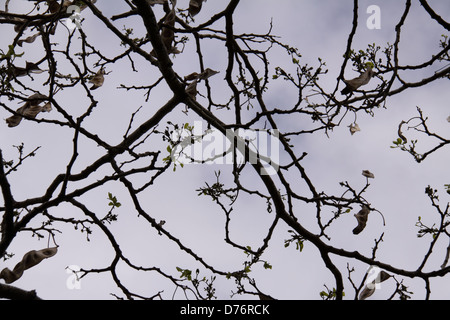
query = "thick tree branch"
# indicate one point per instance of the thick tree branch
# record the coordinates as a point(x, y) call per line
point(434, 15)
point(7, 224)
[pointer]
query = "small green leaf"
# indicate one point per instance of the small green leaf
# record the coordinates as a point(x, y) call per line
point(300, 245)
point(113, 201)
point(267, 265)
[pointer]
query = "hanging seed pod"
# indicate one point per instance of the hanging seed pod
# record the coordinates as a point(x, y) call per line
point(29, 260)
point(195, 6)
point(361, 217)
point(30, 109)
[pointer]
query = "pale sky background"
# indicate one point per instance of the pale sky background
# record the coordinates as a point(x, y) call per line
point(317, 29)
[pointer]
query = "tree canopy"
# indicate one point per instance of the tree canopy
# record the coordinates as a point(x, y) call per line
point(173, 149)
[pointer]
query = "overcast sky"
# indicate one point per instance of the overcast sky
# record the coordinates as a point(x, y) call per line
point(317, 29)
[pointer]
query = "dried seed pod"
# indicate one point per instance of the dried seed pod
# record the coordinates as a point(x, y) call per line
point(192, 76)
point(195, 6)
point(195, 77)
point(354, 128)
point(98, 79)
point(368, 174)
point(361, 217)
point(30, 259)
point(30, 109)
point(153, 2)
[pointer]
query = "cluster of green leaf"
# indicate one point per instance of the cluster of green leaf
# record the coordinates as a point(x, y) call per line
point(208, 288)
point(10, 54)
point(411, 149)
point(243, 274)
point(128, 33)
point(424, 229)
point(329, 294)
point(306, 74)
point(444, 43)
point(178, 138)
point(295, 238)
point(113, 201)
point(403, 292)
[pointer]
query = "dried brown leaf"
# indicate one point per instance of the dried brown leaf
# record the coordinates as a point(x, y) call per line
point(207, 73)
point(53, 6)
point(367, 291)
point(13, 121)
point(30, 109)
point(370, 288)
point(192, 76)
point(368, 174)
point(30, 67)
point(201, 76)
point(153, 2)
point(167, 34)
point(362, 79)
